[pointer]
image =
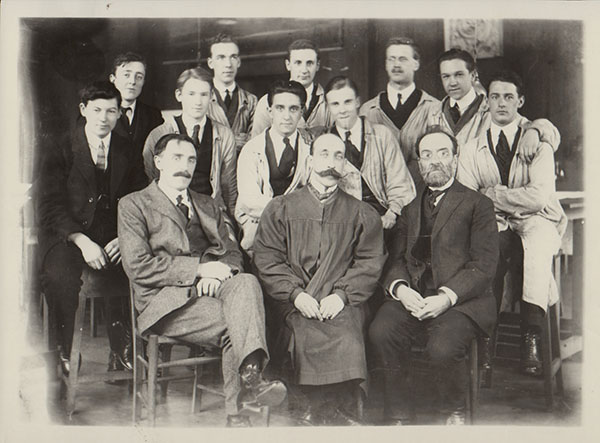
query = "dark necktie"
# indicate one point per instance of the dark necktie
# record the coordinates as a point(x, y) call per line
point(182, 206)
point(195, 134)
point(455, 113)
point(125, 117)
point(101, 157)
point(227, 99)
point(352, 153)
point(432, 196)
point(399, 104)
point(288, 157)
point(503, 149)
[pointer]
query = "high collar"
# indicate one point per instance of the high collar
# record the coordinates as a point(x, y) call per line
point(465, 102)
point(393, 92)
point(510, 131)
point(221, 87)
point(94, 141)
point(172, 194)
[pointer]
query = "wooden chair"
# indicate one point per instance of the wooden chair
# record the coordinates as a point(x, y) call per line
point(149, 371)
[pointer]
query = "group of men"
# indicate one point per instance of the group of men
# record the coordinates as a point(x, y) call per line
point(326, 202)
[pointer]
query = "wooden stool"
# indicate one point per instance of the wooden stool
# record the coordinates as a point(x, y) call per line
point(551, 356)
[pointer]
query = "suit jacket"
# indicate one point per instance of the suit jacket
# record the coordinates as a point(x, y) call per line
point(242, 124)
point(145, 119)
point(464, 251)
point(68, 194)
point(156, 250)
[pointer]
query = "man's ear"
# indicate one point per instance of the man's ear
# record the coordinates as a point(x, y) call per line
point(82, 109)
point(521, 102)
point(112, 78)
point(287, 64)
point(209, 62)
point(178, 95)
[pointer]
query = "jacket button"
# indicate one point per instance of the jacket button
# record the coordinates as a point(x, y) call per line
point(179, 282)
point(85, 222)
point(91, 200)
point(179, 251)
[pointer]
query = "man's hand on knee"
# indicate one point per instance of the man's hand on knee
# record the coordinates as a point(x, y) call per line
point(331, 306)
point(208, 286)
point(434, 306)
point(214, 270)
point(410, 299)
point(308, 306)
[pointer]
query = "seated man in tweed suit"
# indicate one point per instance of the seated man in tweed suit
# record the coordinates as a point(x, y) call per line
point(186, 274)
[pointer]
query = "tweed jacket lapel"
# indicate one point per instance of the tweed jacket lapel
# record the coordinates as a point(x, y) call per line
point(162, 204)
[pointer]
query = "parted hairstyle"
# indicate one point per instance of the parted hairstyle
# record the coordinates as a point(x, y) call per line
point(290, 86)
point(461, 54)
point(393, 41)
point(303, 44)
point(197, 73)
point(128, 57)
point(162, 142)
point(508, 77)
point(221, 37)
point(339, 82)
point(100, 89)
point(436, 129)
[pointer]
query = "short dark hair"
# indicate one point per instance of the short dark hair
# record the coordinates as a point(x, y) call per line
point(302, 44)
point(290, 86)
point(339, 82)
point(197, 73)
point(438, 130)
point(100, 89)
point(162, 142)
point(407, 41)
point(315, 138)
point(508, 77)
point(221, 37)
point(128, 57)
point(461, 54)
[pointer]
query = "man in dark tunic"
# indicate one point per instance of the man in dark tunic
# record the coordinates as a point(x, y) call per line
point(319, 253)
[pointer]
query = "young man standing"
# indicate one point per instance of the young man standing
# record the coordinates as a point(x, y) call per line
point(274, 162)
point(230, 105)
point(530, 218)
point(372, 150)
point(302, 63)
point(137, 118)
point(402, 108)
point(214, 174)
point(82, 179)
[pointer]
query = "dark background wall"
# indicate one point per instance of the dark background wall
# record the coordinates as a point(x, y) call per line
point(59, 56)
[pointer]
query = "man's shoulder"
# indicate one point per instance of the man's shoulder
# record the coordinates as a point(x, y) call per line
point(140, 198)
point(372, 103)
point(249, 96)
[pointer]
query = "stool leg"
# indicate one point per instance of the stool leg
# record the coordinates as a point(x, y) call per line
point(474, 380)
point(152, 372)
point(359, 403)
point(197, 392)
point(547, 362)
point(138, 375)
point(73, 379)
point(93, 331)
point(556, 352)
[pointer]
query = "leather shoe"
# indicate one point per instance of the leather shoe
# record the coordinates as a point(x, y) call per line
point(456, 418)
point(113, 362)
point(342, 418)
point(531, 362)
point(255, 389)
point(310, 418)
point(126, 357)
point(397, 422)
point(238, 421)
point(65, 363)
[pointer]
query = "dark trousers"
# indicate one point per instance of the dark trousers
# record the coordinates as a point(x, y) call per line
point(392, 334)
point(511, 259)
point(325, 399)
point(61, 282)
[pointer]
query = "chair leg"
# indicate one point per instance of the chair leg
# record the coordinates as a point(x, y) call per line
point(359, 402)
point(547, 361)
point(73, 379)
point(152, 373)
point(474, 380)
point(196, 391)
point(93, 331)
point(556, 351)
point(138, 379)
point(165, 354)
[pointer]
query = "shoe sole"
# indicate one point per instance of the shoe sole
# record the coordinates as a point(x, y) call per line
point(274, 395)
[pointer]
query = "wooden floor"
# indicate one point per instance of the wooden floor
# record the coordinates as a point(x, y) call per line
point(514, 399)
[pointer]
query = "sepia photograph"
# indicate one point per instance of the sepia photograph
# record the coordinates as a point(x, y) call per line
point(293, 215)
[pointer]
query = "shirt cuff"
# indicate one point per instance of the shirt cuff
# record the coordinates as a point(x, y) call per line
point(394, 285)
point(295, 293)
point(450, 294)
point(340, 293)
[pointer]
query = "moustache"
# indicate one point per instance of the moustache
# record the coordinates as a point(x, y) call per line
point(182, 174)
point(329, 173)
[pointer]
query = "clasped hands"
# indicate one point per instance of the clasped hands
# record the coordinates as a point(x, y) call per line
point(95, 255)
point(419, 307)
point(328, 309)
point(212, 274)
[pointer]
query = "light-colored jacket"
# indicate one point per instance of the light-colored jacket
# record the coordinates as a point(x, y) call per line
point(482, 119)
point(531, 187)
point(253, 182)
point(242, 124)
point(156, 250)
point(223, 167)
point(319, 117)
point(415, 125)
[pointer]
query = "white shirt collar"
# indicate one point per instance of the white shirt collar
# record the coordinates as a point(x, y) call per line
point(393, 91)
point(132, 107)
point(509, 130)
point(278, 145)
point(172, 194)
point(220, 86)
point(309, 92)
point(355, 133)
point(94, 143)
point(189, 125)
point(465, 102)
